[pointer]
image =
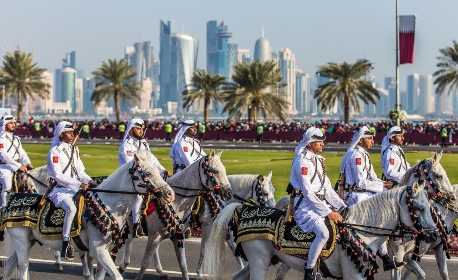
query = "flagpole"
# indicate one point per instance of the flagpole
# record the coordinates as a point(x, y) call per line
point(398, 99)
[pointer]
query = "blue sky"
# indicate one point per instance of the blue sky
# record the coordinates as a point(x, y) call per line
point(317, 32)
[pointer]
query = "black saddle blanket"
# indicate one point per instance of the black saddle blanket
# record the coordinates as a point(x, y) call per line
point(254, 222)
point(24, 210)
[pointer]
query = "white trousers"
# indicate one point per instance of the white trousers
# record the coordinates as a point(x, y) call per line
point(70, 212)
point(6, 179)
point(322, 236)
point(136, 211)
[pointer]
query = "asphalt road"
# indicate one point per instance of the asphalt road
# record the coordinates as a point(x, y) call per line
point(42, 264)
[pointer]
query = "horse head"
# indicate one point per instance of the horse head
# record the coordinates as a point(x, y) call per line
point(36, 180)
point(216, 178)
point(432, 172)
point(267, 190)
point(416, 213)
point(150, 179)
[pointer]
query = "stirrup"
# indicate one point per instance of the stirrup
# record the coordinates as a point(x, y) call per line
point(67, 251)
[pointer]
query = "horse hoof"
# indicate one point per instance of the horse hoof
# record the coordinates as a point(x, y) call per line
point(164, 276)
point(59, 266)
point(121, 270)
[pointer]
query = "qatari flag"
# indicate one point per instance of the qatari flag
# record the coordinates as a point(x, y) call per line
point(406, 38)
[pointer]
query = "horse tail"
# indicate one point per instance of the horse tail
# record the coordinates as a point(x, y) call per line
point(9, 264)
point(216, 243)
point(282, 204)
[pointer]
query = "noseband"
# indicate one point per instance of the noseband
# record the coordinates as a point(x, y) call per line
point(256, 188)
point(146, 182)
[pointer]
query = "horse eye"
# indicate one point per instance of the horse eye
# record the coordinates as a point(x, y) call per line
point(439, 177)
point(148, 173)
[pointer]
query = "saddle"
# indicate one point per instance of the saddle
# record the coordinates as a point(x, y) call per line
point(24, 210)
point(254, 222)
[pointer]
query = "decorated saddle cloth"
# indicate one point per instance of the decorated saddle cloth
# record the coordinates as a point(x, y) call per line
point(24, 210)
point(254, 222)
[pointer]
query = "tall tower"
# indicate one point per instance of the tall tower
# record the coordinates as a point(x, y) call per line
point(412, 94)
point(425, 85)
point(69, 86)
point(303, 95)
point(262, 49)
point(212, 46)
point(165, 58)
point(287, 65)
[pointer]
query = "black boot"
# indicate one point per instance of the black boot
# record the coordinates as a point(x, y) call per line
point(2, 235)
point(308, 275)
point(388, 263)
point(134, 231)
point(67, 251)
point(187, 233)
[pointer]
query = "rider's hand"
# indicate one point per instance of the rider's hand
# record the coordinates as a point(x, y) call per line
point(29, 166)
point(168, 173)
point(335, 217)
point(84, 186)
point(92, 183)
point(388, 185)
point(22, 168)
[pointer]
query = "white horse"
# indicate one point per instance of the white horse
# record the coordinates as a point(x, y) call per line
point(125, 186)
point(404, 250)
point(385, 210)
point(423, 169)
point(244, 187)
point(205, 175)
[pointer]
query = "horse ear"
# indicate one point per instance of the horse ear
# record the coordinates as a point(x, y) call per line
point(437, 157)
point(415, 187)
point(137, 160)
point(269, 176)
point(212, 154)
point(220, 153)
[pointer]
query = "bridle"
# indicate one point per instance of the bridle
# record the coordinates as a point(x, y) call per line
point(256, 189)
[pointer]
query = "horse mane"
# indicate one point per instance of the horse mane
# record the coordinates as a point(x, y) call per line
point(40, 174)
point(378, 209)
point(409, 173)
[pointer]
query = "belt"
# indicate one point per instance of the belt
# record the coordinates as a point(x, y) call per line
point(299, 193)
point(354, 188)
point(320, 196)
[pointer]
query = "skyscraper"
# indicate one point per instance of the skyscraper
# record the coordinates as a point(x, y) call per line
point(140, 57)
point(78, 108)
point(243, 55)
point(303, 96)
point(212, 46)
point(69, 86)
point(221, 55)
point(412, 94)
point(287, 65)
point(178, 57)
point(262, 49)
point(426, 106)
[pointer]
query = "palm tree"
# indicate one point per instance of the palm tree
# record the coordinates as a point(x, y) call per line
point(345, 84)
point(21, 78)
point(205, 87)
point(257, 87)
point(447, 75)
point(113, 80)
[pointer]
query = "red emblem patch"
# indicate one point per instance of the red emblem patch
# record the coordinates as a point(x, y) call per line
point(305, 170)
point(55, 159)
point(392, 161)
point(185, 149)
point(1, 146)
point(129, 153)
point(358, 161)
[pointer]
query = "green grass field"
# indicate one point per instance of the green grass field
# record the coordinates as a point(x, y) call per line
point(103, 160)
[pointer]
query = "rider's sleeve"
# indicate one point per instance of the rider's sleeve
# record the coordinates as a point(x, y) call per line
point(5, 157)
point(55, 171)
point(359, 170)
point(303, 172)
point(125, 153)
point(392, 163)
point(332, 197)
point(80, 167)
point(156, 163)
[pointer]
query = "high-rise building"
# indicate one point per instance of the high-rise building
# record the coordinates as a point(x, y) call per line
point(88, 89)
point(140, 57)
point(413, 91)
point(390, 85)
point(178, 56)
point(303, 96)
point(243, 55)
point(425, 85)
point(69, 60)
point(383, 104)
point(145, 95)
point(287, 66)
point(41, 104)
point(221, 55)
point(68, 86)
point(262, 49)
point(78, 96)
point(212, 46)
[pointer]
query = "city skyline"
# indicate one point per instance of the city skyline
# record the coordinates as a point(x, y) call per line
point(365, 29)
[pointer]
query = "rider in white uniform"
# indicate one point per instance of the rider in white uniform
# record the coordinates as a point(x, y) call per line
point(314, 193)
point(186, 149)
point(132, 143)
point(394, 164)
point(12, 156)
point(67, 177)
point(361, 181)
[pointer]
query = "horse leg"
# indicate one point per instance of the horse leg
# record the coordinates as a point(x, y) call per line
point(87, 269)
point(441, 262)
point(281, 271)
point(58, 263)
point(100, 272)
point(22, 250)
point(158, 265)
point(151, 246)
point(243, 274)
point(10, 266)
point(412, 266)
point(126, 258)
point(233, 246)
point(206, 228)
point(106, 262)
point(181, 257)
point(259, 258)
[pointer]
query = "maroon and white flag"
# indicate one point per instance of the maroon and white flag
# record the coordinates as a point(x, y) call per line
point(406, 38)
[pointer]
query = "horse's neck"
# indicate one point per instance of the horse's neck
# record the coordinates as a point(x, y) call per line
point(188, 178)
point(448, 215)
point(243, 185)
point(40, 174)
